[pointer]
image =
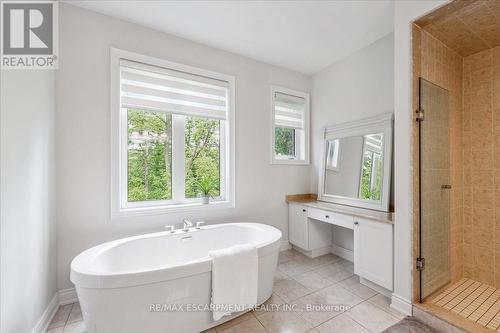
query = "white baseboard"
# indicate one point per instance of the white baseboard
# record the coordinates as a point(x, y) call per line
point(47, 315)
point(335, 249)
point(400, 304)
point(62, 297)
point(343, 253)
point(67, 296)
point(285, 245)
point(314, 253)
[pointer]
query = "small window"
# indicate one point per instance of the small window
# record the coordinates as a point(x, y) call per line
point(172, 142)
point(290, 127)
point(332, 157)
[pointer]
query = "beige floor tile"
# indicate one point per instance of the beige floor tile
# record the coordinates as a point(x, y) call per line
point(313, 280)
point(274, 303)
point(248, 326)
point(341, 324)
point(292, 254)
point(352, 284)
point(61, 316)
point(75, 314)
point(212, 330)
point(247, 316)
point(384, 303)
point(341, 275)
point(326, 259)
point(347, 265)
point(56, 330)
point(315, 309)
point(76, 327)
point(279, 275)
point(372, 317)
point(283, 257)
point(295, 267)
point(313, 331)
point(340, 296)
point(284, 322)
point(333, 271)
point(328, 268)
point(289, 289)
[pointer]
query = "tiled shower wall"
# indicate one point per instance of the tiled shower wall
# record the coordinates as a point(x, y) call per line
point(481, 151)
point(474, 86)
point(437, 63)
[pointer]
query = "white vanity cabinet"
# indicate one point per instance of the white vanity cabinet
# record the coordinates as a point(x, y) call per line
point(310, 231)
point(297, 226)
point(353, 200)
point(373, 251)
point(309, 235)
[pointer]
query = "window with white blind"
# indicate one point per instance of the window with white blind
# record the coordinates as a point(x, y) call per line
point(173, 136)
point(290, 126)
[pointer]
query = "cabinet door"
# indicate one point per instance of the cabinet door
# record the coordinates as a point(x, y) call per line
point(373, 252)
point(297, 226)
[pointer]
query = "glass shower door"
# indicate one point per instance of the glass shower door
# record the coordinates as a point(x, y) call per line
point(434, 194)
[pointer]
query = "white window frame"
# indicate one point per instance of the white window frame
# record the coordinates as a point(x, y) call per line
point(336, 155)
point(302, 138)
point(120, 207)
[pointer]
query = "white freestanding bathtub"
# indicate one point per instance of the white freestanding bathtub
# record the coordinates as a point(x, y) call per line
point(161, 282)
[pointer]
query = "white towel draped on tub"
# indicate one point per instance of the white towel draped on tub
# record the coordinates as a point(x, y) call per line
point(234, 279)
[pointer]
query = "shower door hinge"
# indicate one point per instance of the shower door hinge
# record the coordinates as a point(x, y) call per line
point(420, 263)
point(420, 115)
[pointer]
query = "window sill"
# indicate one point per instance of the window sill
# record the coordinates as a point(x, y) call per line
point(171, 209)
point(290, 162)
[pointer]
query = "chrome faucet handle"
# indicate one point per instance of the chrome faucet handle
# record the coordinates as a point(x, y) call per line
point(171, 228)
point(198, 224)
point(187, 225)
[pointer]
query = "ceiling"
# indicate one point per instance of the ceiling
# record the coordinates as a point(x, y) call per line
point(305, 36)
point(465, 26)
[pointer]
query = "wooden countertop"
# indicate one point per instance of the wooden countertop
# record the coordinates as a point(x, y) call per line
point(310, 200)
point(306, 197)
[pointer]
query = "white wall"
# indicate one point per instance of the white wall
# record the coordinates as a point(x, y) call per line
point(405, 12)
point(27, 218)
point(360, 86)
point(83, 132)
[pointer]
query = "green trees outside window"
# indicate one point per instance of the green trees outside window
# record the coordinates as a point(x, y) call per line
point(371, 177)
point(150, 156)
point(284, 144)
point(202, 156)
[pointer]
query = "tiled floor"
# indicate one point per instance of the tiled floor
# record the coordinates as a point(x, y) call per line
point(67, 319)
point(473, 300)
point(319, 295)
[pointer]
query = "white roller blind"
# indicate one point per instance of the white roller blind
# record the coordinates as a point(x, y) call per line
point(289, 111)
point(374, 142)
point(154, 88)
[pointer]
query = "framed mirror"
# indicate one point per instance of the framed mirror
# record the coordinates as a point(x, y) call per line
point(356, 162)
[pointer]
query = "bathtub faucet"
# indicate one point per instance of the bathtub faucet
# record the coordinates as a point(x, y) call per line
point(187, 224)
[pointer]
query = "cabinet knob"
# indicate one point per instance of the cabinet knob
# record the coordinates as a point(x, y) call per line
point(304, 210)
point(327, 216)
point(356, 223)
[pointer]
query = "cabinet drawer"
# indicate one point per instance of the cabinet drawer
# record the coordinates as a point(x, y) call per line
point(332, 218)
